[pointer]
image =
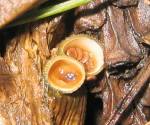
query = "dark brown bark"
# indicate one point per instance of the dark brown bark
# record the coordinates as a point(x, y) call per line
point(145, 100)
point(139, 17)
point(137, 85)
point(123, 3)
point(120, 44)
point(122, 99)
point(90, 17)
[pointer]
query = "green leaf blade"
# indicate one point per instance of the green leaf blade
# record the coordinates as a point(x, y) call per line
point(49, 11)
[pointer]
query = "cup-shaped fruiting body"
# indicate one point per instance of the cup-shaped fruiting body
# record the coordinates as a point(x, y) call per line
point(86, 50)
point(64, 74)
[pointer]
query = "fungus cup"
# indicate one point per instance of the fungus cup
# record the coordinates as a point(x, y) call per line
point(64, 73)
point(86, 50)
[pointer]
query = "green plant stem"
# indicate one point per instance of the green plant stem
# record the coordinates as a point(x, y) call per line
point(48, 11)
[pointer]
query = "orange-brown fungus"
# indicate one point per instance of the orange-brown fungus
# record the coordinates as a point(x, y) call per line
point(85, 50)
point(85, 57)
point(64, 74)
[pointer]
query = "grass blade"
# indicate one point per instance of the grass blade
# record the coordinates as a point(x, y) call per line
point(48, 11)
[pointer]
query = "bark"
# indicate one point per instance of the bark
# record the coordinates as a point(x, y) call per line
point(136, 86)
point(90, 17)
point(139, 18)
point(11, 9)
point(119, 41)
point(123, 3)
point(25, 97)
point(70, 110)
point(122, 99)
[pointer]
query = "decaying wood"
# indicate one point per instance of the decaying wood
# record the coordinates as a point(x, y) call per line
point(136, 86)
point(120, 44)
point(121, 99)
point(122, 3)
point(136, 117)
point(23, 90)
point(90, 17)
point(70, 109)
point(145, 100)
point(10, 9)
point(24, 98)
point(139, 17)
